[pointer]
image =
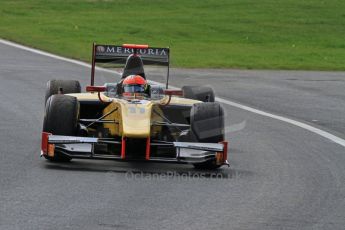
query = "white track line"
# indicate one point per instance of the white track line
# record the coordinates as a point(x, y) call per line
point(310, 128)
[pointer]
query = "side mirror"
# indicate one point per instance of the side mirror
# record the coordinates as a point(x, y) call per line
point(98, 89)
point(173, 92)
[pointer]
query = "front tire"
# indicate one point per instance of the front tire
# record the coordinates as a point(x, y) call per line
point(207, 126)
point(61, 118)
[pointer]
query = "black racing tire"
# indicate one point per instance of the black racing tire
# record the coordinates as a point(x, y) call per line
point(68, 86)
point(207, 126)
point(207, 122)
point(61, 118)
point(200, 93)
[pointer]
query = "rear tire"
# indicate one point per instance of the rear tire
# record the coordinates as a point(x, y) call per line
point(61, 118)
point(207, 126)
point(68, 86)
point(200, 93)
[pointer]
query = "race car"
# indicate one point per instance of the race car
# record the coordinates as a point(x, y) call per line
point(133, 119)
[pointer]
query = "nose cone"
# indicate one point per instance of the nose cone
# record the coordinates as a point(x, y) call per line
point(136, 119)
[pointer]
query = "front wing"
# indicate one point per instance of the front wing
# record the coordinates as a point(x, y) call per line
point(83, 148)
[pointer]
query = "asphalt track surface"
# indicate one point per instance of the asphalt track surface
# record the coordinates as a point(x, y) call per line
point(281, 176)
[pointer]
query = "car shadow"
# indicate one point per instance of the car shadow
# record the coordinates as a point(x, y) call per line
point(147, 168)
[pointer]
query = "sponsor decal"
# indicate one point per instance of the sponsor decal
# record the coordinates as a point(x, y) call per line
point(100, 49)
point(106, 50)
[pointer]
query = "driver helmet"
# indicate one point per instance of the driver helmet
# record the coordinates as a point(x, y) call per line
point(134, 85)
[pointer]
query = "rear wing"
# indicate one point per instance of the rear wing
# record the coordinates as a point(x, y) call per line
point(120, 53)
point(105, 53)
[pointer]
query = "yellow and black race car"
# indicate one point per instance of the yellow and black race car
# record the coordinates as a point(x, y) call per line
point(133, 119)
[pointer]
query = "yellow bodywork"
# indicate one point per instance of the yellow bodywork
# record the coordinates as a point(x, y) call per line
point(133, 118)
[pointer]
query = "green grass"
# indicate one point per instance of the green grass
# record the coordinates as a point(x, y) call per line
point(265, 34)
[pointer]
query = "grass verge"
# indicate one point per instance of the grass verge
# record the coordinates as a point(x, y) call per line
point(266, 34)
